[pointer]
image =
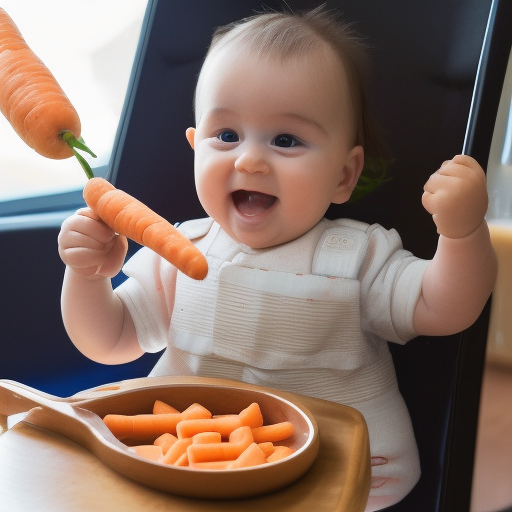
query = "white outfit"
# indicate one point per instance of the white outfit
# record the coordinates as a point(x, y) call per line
point(311, 316)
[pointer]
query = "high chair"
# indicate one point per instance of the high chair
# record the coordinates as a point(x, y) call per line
point(438, 70)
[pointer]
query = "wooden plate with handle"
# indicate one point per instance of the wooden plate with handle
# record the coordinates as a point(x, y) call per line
point(79, 418)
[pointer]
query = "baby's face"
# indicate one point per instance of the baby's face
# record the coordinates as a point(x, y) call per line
point(273, 144)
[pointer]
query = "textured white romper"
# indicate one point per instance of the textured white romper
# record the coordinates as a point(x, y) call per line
point(310, 316)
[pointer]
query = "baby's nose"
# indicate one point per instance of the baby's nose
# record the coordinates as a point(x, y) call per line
point(252, 161)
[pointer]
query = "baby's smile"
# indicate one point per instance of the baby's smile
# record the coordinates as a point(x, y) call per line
point(252, 203)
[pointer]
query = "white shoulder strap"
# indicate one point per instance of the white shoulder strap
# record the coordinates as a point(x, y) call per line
point(340, 252)
point(195, 228)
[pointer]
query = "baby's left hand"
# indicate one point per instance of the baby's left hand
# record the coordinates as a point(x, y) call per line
point(456, 196)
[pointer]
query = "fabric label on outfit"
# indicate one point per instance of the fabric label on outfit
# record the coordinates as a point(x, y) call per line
point(340, 252)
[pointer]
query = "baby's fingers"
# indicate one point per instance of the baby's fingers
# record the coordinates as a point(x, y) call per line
point(115, 258)
point(436, 182)
point(87, 222)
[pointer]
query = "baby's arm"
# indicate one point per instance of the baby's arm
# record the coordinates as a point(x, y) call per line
point(460, 277)
point(95, 318)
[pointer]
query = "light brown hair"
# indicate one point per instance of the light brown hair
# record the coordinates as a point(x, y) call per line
point(285, 35)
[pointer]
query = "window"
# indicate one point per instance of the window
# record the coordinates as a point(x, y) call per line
point(499, 216)
point(89, 46)
point(499, 169)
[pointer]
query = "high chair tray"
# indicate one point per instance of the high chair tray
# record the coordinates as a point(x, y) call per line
point(43, 471)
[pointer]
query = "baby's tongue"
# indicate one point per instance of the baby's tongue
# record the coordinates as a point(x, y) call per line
point(251, 203)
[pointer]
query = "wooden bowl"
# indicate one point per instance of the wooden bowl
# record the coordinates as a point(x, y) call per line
point(220, 397)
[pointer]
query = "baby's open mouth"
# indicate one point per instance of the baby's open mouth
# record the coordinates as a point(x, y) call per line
point(252, 203)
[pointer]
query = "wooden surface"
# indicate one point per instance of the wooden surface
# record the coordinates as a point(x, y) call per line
point(43, 471)
point(492, 480)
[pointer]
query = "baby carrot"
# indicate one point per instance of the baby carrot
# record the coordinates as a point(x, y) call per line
point(206, 438)
point(133, 219)
point(150, 426)
point(239, 440)
point(224, 425)
point(251, 416)
point(141, 426)
point(165, 441)
point(176, 451)
point(32, 100)
point(267, 448)
point(280, 452)
point(196, 411)
point(182, 460)
point(204, 441)
point(251, 456)
point(273, 433)
point(160, 407)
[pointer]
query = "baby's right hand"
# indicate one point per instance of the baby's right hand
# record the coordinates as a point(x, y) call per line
point(90, 247)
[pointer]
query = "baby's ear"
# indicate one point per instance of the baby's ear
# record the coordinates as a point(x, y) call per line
point(190, 134)
point(349, 175)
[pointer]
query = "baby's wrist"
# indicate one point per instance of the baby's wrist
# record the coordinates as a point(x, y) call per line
point(467, 234)
point(87, 273)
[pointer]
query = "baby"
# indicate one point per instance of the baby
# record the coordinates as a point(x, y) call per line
point(292, 300)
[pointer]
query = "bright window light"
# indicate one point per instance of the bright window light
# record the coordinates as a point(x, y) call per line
point(499, 167)
point(89, 46)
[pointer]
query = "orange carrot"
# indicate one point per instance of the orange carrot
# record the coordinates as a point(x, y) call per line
point(133, 219)
point(176, 451)
point(207, 438)
point(160, 407)
point(42, 115)
point(251, 416)
point(204, 441)
point(165, 441)
point(32, 100)
point(196, 411)
point(251, 456)
point(150, 426)
point(267, 448)
point(182, 460)
point(148, 451)
point(273, 433)
point(224, 425)
point(141, 426)
point(280, 452)
point(239, 440)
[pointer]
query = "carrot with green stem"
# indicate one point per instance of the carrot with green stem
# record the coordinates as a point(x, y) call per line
point(42, 115)
point(33, 102)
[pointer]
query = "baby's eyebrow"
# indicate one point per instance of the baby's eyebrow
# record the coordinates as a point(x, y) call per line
point(304, 120)
point(214, 112)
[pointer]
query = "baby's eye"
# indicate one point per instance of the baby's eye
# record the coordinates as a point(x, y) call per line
point(228, 136)
point(286, 141)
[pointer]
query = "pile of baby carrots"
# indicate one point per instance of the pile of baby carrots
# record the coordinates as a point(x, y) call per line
point(44, 118)
point(197, 439)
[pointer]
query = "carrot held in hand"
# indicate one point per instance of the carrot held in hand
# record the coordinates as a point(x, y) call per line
point(33, 102)
point(133, 219)
point(42, 115)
